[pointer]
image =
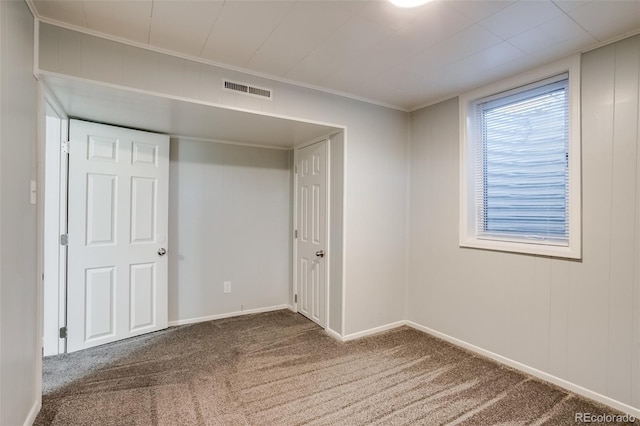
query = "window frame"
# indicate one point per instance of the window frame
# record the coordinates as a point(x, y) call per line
point(469, 235)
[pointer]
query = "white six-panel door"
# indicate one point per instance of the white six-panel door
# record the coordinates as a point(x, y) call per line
point(118, 206)
point(311, 218)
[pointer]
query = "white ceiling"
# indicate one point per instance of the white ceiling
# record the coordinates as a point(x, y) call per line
point(127, 108)
point(366, 48)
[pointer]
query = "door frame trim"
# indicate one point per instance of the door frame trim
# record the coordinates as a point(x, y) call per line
point(59, 216)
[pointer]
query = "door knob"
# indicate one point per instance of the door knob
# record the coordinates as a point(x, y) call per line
point(320, 253)
point(162, 252)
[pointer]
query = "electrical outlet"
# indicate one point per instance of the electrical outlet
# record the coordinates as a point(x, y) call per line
point(227, 286)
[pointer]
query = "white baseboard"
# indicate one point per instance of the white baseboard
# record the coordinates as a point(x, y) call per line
point(33, 413)
point(229, 315)
point(632, 411)
point(372, 331)
point(333, 334)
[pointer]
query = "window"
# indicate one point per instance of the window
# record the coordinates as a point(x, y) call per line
point(520, 164)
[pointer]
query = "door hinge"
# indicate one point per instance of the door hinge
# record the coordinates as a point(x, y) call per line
point(63, 332)
point(65, 147)
point(64, 239)
point(295, 234)
point(295, 169)
point(295, 298)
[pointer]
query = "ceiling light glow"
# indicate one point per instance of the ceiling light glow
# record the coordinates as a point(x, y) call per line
point(409, 3)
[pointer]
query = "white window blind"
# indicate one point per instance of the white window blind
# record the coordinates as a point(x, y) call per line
point(522, 176)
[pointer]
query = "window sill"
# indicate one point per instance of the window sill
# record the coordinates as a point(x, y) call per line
point(564, 252)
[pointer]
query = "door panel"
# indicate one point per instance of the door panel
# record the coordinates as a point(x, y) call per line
point(312, 235)
point(118, 207)
point(101, 209)
point(100, 302)
point(143, 210)
point(103, 149)
point(143, 286)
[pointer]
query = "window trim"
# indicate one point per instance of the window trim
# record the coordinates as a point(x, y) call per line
point(468, 234)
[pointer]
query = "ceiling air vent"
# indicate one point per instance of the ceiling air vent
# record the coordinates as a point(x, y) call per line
point(246, 89)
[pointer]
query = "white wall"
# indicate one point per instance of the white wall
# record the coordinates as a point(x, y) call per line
point(576, 320)
point(19, 344)
point(229, 220)
point(336, 213)
point(375, 157)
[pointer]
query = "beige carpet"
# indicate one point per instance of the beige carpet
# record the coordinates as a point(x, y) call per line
point(280, 369)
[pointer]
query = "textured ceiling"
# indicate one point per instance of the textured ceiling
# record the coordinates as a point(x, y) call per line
point(368, 49)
